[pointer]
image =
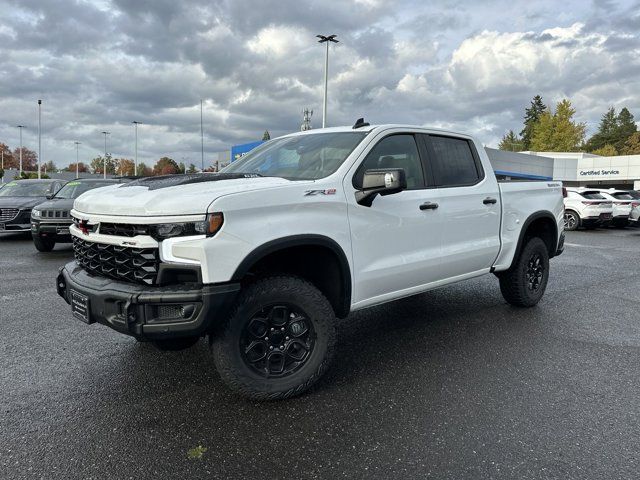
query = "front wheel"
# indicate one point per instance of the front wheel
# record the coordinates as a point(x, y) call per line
point(571, 220)
point(43, 244)
point(525, 282)
point(278, 341)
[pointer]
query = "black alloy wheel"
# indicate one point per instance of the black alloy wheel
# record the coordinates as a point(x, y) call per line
point(535, 272)
point(277, 341)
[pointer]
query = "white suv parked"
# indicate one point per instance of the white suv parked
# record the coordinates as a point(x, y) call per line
point(621, 206)
point(584, 207)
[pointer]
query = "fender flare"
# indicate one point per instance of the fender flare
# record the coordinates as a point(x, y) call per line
point(525, 226)
point(283, 243)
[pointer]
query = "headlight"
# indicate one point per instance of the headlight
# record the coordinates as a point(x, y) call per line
point(208, 227)
point(35, 213)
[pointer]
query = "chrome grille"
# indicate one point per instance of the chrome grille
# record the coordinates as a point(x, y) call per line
point(7, 214)
point(136, 265)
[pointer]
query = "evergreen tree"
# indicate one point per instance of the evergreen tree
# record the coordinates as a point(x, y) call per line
point(626, 126)
point(606, 133)
point(511, 142)
point(531, 117)
point(558, 132)
point(266, 136)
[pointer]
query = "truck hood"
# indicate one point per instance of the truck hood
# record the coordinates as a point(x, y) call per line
point(169, 195)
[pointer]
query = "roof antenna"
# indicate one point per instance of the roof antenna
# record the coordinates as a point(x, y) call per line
point(360, 123)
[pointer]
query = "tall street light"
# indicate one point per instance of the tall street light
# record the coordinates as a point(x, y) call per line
point(20, 127)
point(135, 161)
point(77, 158)
point(104, 161)
point(39, 137)
point(201, 138)
point(326, 39)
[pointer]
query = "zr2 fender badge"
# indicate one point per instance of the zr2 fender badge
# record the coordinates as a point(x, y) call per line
point(328, 191)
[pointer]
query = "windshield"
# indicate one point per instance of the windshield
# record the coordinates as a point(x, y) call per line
point(23, 189)
point(74, 188)
point(301, 157)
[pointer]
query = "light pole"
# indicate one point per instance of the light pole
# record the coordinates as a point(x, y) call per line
point(20, 127)
point(104, 162)
point(77, 159)
point(39, 136)
point(135, 161)
point(326, 39)
point(201, 138)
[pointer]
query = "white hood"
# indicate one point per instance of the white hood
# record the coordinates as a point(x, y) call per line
point(189, 199)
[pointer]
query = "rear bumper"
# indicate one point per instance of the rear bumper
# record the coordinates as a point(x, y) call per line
point(148, 313)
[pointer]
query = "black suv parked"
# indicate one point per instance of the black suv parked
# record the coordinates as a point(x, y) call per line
point(18, 197)
point(50, 221)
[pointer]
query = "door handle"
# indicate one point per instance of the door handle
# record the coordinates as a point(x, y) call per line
point(489, 201)
point(428, 206)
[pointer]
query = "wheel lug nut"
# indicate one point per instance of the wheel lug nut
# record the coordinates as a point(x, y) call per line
point(281, 347)
point(266, 339)
point(286, 338)
point(271, 347)
point(282, 329)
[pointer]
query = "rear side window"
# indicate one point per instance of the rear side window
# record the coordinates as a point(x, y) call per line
point(622, 196)
point(454, 163)
point(592, 195)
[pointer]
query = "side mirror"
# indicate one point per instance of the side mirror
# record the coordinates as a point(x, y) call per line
point(383, 181)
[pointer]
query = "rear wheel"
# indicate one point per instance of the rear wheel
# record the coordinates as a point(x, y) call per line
point(43, 244)
point(278, 341)
point(175, 344)
point(525, 282)
point(571, 220)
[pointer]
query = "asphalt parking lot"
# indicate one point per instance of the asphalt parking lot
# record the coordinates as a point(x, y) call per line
point(450, 384)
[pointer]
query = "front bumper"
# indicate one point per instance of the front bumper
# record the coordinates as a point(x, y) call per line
point(148, 313)
point(58, 231)
point(20, 223)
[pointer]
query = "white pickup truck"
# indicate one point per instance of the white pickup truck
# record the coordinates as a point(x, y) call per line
point(263, 256)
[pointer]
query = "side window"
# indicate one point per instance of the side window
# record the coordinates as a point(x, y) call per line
point(395, 151)
point(454, 162)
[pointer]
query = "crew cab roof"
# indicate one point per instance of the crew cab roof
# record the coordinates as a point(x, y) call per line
point(370, 128)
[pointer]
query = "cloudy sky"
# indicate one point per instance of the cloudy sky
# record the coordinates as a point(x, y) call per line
point(467, 65)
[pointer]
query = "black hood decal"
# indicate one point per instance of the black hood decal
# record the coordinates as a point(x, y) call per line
point(166, 181)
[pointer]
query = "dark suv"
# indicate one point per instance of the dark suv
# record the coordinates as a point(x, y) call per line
point(50, 221)
point(18, 197)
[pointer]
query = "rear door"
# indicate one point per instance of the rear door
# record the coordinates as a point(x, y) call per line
point(469, 204)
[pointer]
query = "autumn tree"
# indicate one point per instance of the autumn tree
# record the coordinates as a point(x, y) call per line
point(165, 166)
point(7, 157)
point(607, 151)
point(558, 131)
point(125, 166)
point(143, 170)
point(29, 159)
point(632, 145)
point(511, 142)
point(97, 164)
point(82, 168)
point(49, 167)
point(531, 118)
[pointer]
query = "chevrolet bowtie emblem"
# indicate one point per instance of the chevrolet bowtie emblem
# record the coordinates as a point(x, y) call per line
point(83, 225)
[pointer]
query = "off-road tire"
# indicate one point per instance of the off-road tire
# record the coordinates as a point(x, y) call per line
point(43, 244)
point(231, 362)
point(175, 344)
point(514, 283)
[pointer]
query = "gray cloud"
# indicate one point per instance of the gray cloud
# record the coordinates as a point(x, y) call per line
point(468, 65)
